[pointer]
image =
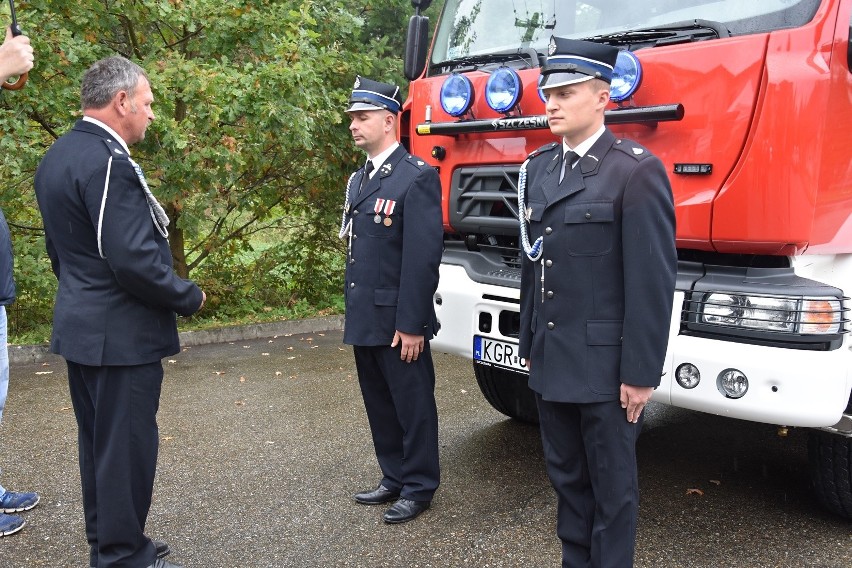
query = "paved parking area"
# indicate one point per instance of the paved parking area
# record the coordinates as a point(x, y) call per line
point(263, 442)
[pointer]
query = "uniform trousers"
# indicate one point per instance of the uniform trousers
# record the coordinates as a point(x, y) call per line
point(118, 440)
point(400, 401)
point(590, 453)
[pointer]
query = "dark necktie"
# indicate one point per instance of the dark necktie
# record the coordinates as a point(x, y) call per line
point(367, 169)
point(568, 160)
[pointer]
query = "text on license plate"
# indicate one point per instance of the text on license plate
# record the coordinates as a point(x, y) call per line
point(495, 352)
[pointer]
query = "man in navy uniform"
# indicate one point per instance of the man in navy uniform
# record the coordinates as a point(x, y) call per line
point(597, 283)
point(392, 219)
point(114, 318)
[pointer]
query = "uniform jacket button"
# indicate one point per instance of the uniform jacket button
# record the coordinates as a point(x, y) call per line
point(351, 261)
point(548, 263)
point(549, 292)
point(548, 230)
point(588, 215)
point(355, 212)
point(352, 285)
point(550, 325)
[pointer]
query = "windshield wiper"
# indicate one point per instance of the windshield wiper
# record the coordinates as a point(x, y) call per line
point(475, 61)
point(678, 32)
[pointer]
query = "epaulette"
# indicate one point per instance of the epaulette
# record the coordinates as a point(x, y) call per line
point(545, 148)
point(116, 150)
point(417, 162)
point(631, 148)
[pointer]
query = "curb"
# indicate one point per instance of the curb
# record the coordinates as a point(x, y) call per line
point(31, 354)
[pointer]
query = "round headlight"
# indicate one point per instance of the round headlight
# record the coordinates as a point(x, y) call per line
point(732, 383)
point(688, 376)
point(626, 76)
point(456, 95)
point(503, 89)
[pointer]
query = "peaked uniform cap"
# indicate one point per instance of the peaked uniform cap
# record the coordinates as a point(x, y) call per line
point(373, 95)
point(572, 61)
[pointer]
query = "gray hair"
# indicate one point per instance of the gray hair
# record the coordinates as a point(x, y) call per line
point(105, 78)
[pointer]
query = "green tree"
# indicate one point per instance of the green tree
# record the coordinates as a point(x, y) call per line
point(250, 134)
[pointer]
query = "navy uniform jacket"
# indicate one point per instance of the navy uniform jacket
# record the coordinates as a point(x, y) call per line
point(117, 310)
point(609, 272)
point(392, 270)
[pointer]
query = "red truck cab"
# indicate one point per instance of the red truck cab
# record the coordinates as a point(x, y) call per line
point(749, 106)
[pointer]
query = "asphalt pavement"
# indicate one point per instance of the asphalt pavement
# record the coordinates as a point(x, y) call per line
point(263, 442)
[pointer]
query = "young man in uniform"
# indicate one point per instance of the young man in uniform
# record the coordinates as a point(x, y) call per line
point(596, 298)
point(392, 218)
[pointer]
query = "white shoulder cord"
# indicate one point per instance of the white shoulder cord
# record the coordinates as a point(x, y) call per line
point(158, 215)
point(103, 206)
point(346, 226)
point(533, 252)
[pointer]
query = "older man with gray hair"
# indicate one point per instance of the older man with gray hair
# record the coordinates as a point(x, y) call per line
point(114, 318)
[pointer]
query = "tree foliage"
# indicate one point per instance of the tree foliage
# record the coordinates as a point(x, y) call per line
point(250, 148)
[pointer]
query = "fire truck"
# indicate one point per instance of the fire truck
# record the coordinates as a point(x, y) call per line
point(749, 106)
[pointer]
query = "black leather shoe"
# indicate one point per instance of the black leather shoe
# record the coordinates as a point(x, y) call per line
point(404, 510)
point(162, 548)
point(377, 496)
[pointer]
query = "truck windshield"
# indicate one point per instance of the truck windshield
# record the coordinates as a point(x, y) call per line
point(471, 28)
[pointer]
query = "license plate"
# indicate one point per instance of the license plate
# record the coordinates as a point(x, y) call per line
point(497, 353)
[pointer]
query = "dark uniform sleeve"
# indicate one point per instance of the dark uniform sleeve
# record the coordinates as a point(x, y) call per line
point(421, 253)
point(131, 247)
point(650, 269)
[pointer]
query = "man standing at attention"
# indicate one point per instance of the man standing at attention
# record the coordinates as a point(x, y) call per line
point(598, 274)
point(114, 318)
point(392, 217)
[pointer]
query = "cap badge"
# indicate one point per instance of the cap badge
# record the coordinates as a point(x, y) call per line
point(551, 49)
point(357, 83)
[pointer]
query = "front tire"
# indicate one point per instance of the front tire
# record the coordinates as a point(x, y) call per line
point(507, 391)
point(830, 457)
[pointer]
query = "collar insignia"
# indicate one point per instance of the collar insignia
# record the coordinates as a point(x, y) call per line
point(386, 168)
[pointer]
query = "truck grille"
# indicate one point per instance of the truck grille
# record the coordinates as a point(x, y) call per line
point(484, 200)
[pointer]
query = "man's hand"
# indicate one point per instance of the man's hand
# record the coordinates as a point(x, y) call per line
point(16, 56)
point(634, 399)
point(412, 345)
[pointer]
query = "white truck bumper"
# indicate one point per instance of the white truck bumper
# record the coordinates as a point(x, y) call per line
point(789, 387)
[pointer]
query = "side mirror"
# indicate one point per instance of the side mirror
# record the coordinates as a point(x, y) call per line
point(420, 5)
point(416, 45)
